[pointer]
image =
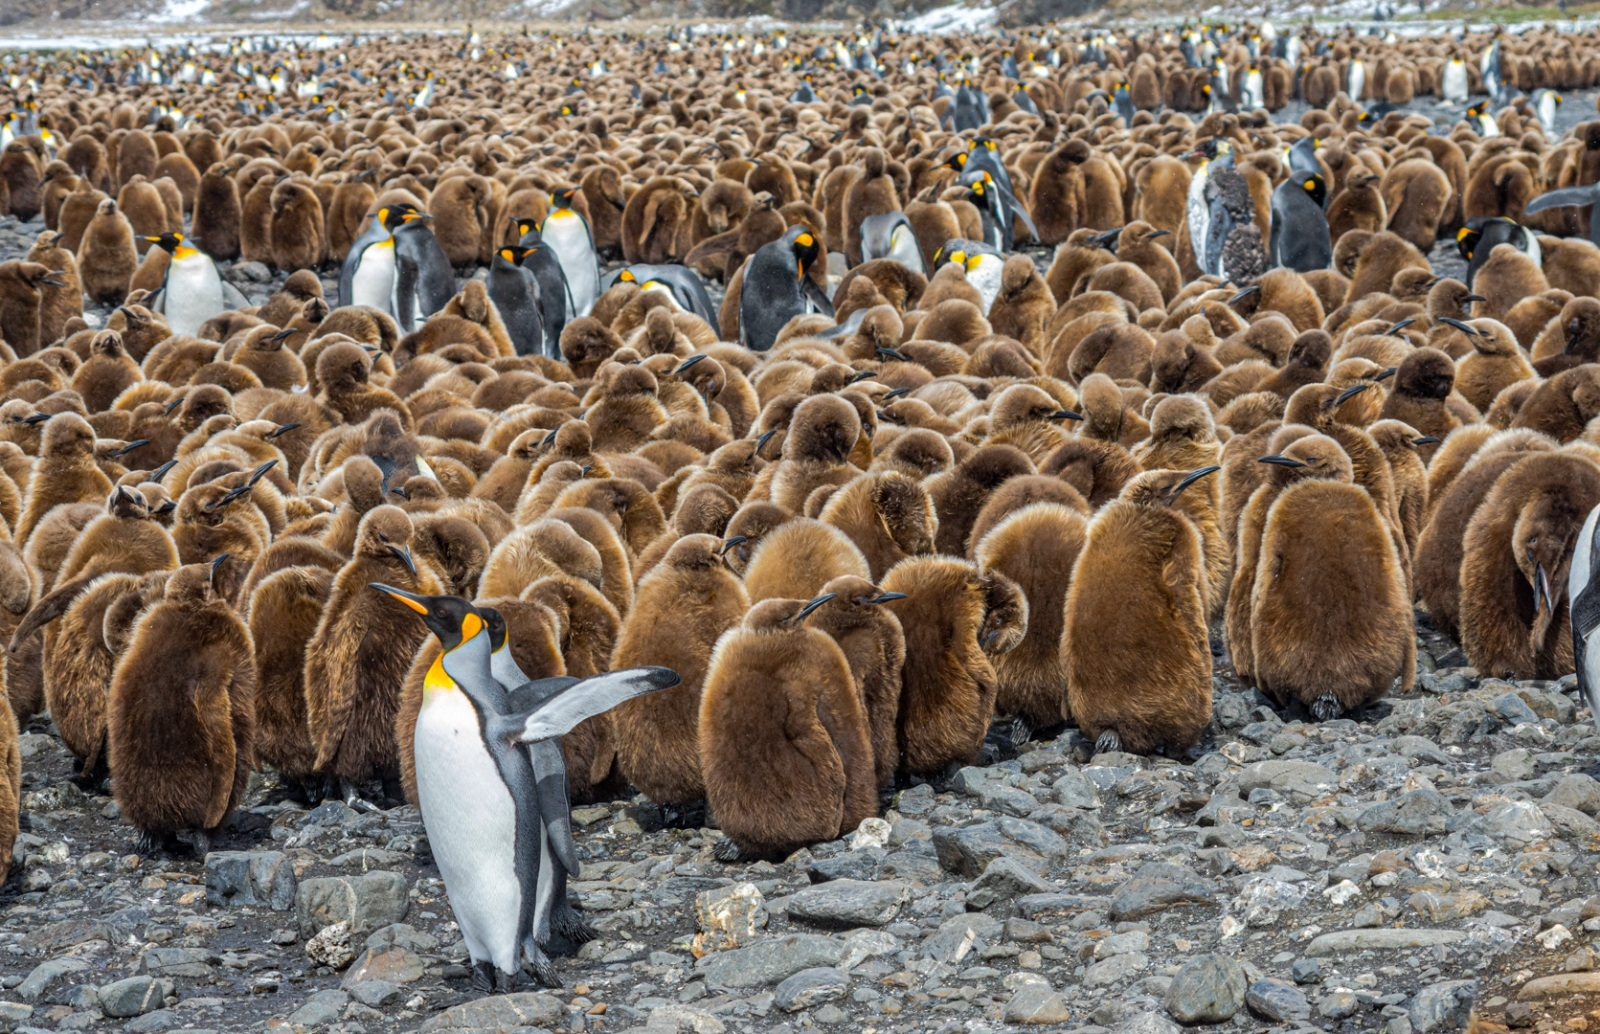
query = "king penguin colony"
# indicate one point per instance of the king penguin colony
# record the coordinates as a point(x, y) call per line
point(314, 340)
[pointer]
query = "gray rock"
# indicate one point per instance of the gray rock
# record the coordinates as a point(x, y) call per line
point(1157, 887)
point(524, 1009)
point(1036, 1003)
point(1338, 1005)
point(1513, 709)
point(249, 273)
point(1300, 779)
point(1417, 813)
point(960, 935)
point(1207, 989)
point(375, 994)
point(1277, 1001)
point(967, 851)
point(1381, 939)
point(1444, 1006)
point(1003, 880)
point(134, 996)
point(846, 904)
point(367, 902)
point(810, 987)
point(322, 1007)
point(1146, 1023)
point(1306, 971)
point(12, 1014)
point(150, 1022)
point(261, 878)
point(391, 964)
point(1419, 748)
point(402, 935)
point(1115, 969)
point(194, 963)
point(1577, 791)
point(769, 960)
point(1518, 823)
point(47, 977)
point(1074, 790)
point(69, 933)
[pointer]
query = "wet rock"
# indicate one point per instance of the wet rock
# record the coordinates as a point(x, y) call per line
point(809, 988)
point(1207, 989)
point(1443, 1007)
point(846, 904)
point(769, 960)
point(1277, 1001)
point(523, 1009)
point(366, 902)
point(134, 996)
point(1417, 813)
point(1036, 1003)
point(261, 878)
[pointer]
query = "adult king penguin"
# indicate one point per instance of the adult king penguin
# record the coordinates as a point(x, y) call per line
point(1300, 239)
point(398, 266)
point(192, 290)
point(890, 236)
point(566, 232)
point(776, 288)
point(515, 292)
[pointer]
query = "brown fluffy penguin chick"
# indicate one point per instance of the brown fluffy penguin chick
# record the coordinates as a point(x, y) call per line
point(816, 450)
point(1330, 614)
point(1030, 418)
point(181, 722)
point(66, 471)
point(343, 371)
point(681, 610)
point(796, 560)
point(626, 408)
point(357, 659)
point(1562, 406)
point(954, 617)
point(1515, 617)
point(875, 648)
point(1422, 385)
point(1495, 363)
point(285, 609)
point(1036, 547)
point(888, 515)
point(107, 372)
point(1140, 580)
point(106, 257)
point(10, 789)
point(783, 737)
point(959, 494)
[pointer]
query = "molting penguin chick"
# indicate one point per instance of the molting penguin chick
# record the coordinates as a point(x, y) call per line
point(1140, 579)
point(682, 608)
point(1331, 612)
point(783, 776)
point(181, 721)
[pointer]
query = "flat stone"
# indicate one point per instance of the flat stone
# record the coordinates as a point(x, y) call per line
point(1579, 792)
point(367, 902)
point(401, 935)
point(810, 987)
point(12, 1014)
point(193, 963)
point(847, 904)
point(523, 1009)
point(1299, 778)
point(1444, 1006)
point(679, 1019)
point(1207, 989)
point(375, 994)
point(134, 996)
point(960, 935)
point(1560, 984)
point(47, 977)
point(1004, 880)
point(260, 878)
point(68, 933)
point(395, 965)
point(1519, 823)
point(769, 960)
point(1381, 939)
point(1036, 1003)
point(322, 1007)
point(1417, 813)
point(1115, 969)
point(1147, 1023)
point(1157, 887)
point(1277, 1001)
point(150, 1022)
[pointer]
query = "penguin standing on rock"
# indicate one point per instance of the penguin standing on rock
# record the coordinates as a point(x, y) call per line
point(777, 288)
point(192, 290)
point(566, 233)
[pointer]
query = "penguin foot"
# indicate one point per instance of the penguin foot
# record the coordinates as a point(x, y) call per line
point(684, 816)
point(727, 852)
point(885, 798)
point(1326, 708)
point(483, 976)
point(353, 799)
point(568, 923)
point(538, 965)
point(1007, 736)
point(148, 844)
point(1109, 742)
point(201, 843)
point(503, 981)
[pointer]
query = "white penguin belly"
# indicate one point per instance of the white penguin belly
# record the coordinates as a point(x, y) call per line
point(986, 278)
point(193, 294)
point(373, 283)
point(903, 249)
point(567, 236)
point(472, 827)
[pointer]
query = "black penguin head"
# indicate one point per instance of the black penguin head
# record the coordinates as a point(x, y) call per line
point(514, 254)
point(451, 618)
point(805, 249)
point(1316, 188)
point(561, 197)
point(495, 623)
point(1467, 241)
point(168, 242)
point(395, 216)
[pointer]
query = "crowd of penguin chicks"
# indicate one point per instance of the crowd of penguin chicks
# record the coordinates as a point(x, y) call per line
point(862, 515)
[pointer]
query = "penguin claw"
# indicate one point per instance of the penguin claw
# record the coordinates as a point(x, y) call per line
point(1326, 708)
point(1108, 743)
point(483, 977)
point(503, 981)
point(147, 844)
point(726, 851)
point(539, 966)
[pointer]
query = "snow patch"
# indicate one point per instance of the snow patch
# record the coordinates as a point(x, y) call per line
point(952, 18)
point(180, 11)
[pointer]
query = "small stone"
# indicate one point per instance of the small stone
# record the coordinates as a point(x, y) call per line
point(523, 1009)
point(1338, 1005)
point(250, 273)
point(12, 1014)
point(1560, 984)
point(810, 987)
point(47, 977)
point(150, 1022)
point(1519, 823)
point(1157, 887)
point(873, 832)
point(402, 935)
point(1579, 792)
point(1146, 1023)
point(261, 878)
point(393, 965)
point(1443, 1007)
point(322, 1007)
point(769, 960)
point(331, 947)
point(1417, 813)
point(366, 902)
point(1299, 779)
point(728, 917)
point(1036, 1003)
point(1115, 970)
point(846, 904)
point(376, 994)
point(1513, 709)
point(1207, 989)
point(193, 963)
point(134, 996)
point(1277, 1001)
point(959, 935)
point(1004, 880)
